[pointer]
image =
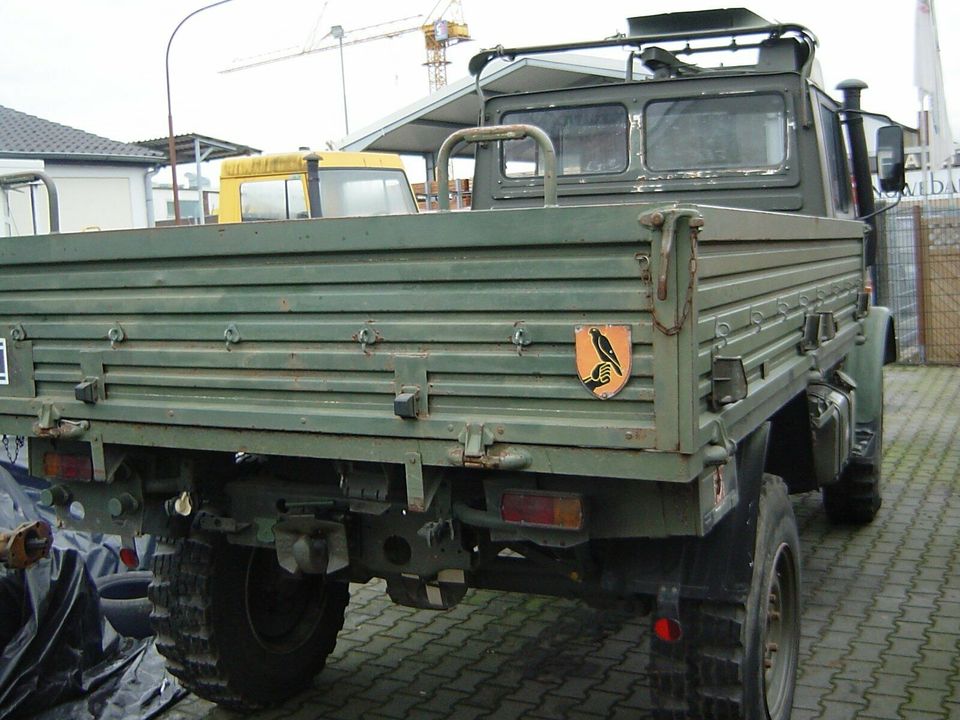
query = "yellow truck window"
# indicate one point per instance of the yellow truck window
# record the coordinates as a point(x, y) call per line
point(273, 200)
point(362, 191)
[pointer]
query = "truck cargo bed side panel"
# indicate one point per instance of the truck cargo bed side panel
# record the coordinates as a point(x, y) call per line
point(316, 326)
point(758, 280)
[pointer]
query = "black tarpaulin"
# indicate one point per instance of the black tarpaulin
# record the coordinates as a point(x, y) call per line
point(59, 658)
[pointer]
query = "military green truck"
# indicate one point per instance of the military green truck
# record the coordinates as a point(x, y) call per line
point(601, 383)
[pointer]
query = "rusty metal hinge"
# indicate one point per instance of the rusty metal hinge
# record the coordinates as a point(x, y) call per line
point(475, 439)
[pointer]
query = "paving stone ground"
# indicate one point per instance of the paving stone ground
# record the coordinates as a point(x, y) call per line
point(881, 618)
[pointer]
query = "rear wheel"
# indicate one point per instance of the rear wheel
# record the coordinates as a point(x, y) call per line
point(739, 660)
point(236, 628)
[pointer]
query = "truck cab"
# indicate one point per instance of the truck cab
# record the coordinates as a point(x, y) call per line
point(305, 184)
point(761, 133)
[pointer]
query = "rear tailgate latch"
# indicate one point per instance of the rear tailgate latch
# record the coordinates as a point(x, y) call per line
point(475, 439)
point(50, 425)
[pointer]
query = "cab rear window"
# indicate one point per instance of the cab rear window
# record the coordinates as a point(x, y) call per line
point(731, 132)
point(589, 140)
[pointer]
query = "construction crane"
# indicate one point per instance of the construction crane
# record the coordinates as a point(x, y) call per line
point(441, 27)
point(438, 36)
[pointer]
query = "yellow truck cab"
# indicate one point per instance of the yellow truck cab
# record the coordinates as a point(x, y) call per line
point(304, 184)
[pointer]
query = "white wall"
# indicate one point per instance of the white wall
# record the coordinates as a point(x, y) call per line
point(105, 197)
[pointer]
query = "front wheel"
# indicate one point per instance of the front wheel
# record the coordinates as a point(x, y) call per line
point(236, 628)
point(739, 659)
point(856, 497)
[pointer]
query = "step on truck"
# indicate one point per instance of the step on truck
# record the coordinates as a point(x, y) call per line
point(602, 382)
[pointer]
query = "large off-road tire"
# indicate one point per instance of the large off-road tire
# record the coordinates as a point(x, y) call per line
point(238, 630)
point(739, 660)
point(856, 497)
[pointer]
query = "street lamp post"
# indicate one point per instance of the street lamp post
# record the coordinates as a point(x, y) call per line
point(337, 32)
point(171, 143)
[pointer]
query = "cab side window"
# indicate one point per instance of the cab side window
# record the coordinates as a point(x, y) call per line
point(837, 168)
point(272, 200)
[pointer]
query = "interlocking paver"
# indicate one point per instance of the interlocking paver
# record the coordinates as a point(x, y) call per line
point(881, 621)
point(511, 710)
point(841, 710)
point(398, 705)
point(808, 697)
point(881, 707)
point(857, 669)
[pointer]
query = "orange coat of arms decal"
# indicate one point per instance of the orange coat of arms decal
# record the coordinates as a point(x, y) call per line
point(604, 353)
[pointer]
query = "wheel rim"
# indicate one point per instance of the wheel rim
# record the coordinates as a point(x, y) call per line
point(780, 638)
point(283, 610)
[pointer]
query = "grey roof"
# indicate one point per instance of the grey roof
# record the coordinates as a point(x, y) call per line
point(421, 128)
point(185, 146)
point(27, 136)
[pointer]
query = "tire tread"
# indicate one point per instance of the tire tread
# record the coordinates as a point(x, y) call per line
point(182, 617)
point(704, 674)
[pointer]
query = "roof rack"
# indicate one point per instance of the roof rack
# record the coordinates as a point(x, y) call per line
point(681, 27)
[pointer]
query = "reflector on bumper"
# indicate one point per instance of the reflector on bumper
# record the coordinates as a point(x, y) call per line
point(548, 510)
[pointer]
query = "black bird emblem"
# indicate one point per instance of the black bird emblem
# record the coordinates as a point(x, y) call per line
point(605, 350)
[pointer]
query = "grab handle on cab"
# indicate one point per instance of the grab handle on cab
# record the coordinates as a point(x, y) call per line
point(493, 133)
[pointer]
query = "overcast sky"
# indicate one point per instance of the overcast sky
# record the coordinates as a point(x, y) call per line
point(98, 65)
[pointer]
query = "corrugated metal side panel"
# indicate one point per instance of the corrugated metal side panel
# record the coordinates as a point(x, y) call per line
point(448, 291)
point(753, 295)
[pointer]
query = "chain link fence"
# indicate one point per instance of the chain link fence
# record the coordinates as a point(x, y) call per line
point(918, 278)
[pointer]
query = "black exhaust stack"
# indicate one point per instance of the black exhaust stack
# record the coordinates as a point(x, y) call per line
point(861, 162)
point(313, 184)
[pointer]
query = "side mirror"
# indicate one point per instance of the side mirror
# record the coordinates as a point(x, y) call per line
point(890, 163)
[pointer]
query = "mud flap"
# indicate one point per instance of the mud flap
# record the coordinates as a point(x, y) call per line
point(720, 566)
point(716, 567)
point(865, 365)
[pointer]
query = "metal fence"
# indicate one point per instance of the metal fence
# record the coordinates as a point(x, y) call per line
point(918, 277)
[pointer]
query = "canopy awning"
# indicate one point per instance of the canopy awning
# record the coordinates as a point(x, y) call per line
point(420, 128)
point(193, 147)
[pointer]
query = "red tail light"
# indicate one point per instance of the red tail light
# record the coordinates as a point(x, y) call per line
point(61, 466)
point(668, 629)
point(549, 510)
point(129, 557)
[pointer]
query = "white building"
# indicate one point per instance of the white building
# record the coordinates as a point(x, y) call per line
point(101, 183)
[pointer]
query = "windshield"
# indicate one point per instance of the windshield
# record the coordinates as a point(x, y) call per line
point(343, 193)
point(589, 141)
point(733, 132)
point(364, 191)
